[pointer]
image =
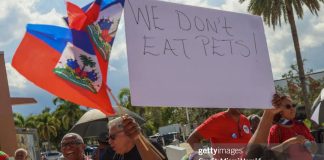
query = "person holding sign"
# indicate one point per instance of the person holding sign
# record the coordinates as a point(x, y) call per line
point(258, 148)
point(124, 140)
point(286, 127)
point(227, 131)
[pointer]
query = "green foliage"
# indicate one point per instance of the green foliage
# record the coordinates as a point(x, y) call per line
point(161, 116)
point(275, 11)
point(19, 120)
point(87, 61)
point(68, 112)
point(293, 88)
point(52, 126)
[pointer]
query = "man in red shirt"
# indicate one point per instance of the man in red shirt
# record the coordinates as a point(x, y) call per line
point(228, 132)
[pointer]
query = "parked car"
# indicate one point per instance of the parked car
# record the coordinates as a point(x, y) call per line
point(52, 155)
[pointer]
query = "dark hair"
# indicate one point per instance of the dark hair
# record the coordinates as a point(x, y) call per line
point(253, 118)
point(276, 118)
point(277, 98)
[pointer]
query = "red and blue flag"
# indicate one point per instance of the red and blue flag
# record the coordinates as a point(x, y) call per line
point(72, 63)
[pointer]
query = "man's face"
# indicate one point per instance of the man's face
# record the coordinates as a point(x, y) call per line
point(21, 155)
point(72, 148)
point(118, 140)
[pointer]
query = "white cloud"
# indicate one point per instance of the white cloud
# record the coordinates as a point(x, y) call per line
point(235, 6)
point(276, 40)
point(15, 80)
point(311, 35)
point(119, 46)
point(200, 3)
point(15, 14)
point(119, 50)
point(112, 68)
point(278, 64)
point(280, 44)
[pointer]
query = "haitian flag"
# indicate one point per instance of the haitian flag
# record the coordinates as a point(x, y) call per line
point(72, 63)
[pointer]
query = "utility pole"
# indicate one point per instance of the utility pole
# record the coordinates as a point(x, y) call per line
point(8, 141)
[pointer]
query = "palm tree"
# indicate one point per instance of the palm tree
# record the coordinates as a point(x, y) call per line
point(47, 126)
point(19, 120)
point(31, 121)
point(273, 11)
point(124, 98)
point(68, 112)
point(87, 61)
point(22, 122)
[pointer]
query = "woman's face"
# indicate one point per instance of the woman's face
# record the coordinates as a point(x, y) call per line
point(289, 111)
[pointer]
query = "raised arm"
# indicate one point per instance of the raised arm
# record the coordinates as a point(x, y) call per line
point(144, 147)
point(194, 140)
point(262, 132)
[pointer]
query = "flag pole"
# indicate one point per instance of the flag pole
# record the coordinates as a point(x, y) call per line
point(141, 137)
point(124, 113)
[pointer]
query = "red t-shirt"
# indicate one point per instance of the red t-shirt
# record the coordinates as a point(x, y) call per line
point(279, 134)
point(221, 128)
point(298, 128)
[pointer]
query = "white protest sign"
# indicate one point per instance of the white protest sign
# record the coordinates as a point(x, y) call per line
point(187, 56)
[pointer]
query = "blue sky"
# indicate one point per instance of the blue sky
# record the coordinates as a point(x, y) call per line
point(17, 13)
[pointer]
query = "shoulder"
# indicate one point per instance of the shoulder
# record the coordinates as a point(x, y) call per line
point(300, 125)
point(275, 128)
point(217, 116)
point(212, 123)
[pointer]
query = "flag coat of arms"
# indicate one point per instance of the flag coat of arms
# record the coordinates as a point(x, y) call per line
point(72, 63)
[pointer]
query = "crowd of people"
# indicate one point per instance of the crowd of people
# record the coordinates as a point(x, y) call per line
point(125, 143)
point(275, 135)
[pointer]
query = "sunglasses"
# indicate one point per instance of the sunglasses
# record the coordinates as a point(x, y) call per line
point(113, 136)
point(288, 106)
point(72, 143)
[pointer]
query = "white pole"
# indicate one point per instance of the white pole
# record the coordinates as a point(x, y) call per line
point(187, 113)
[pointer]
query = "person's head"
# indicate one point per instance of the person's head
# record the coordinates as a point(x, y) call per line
point(3, 156)
point(21, 154)
point(118, 140)
point(234, 111)
point(254, 121)
point(72, 147)
point(284, 102)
